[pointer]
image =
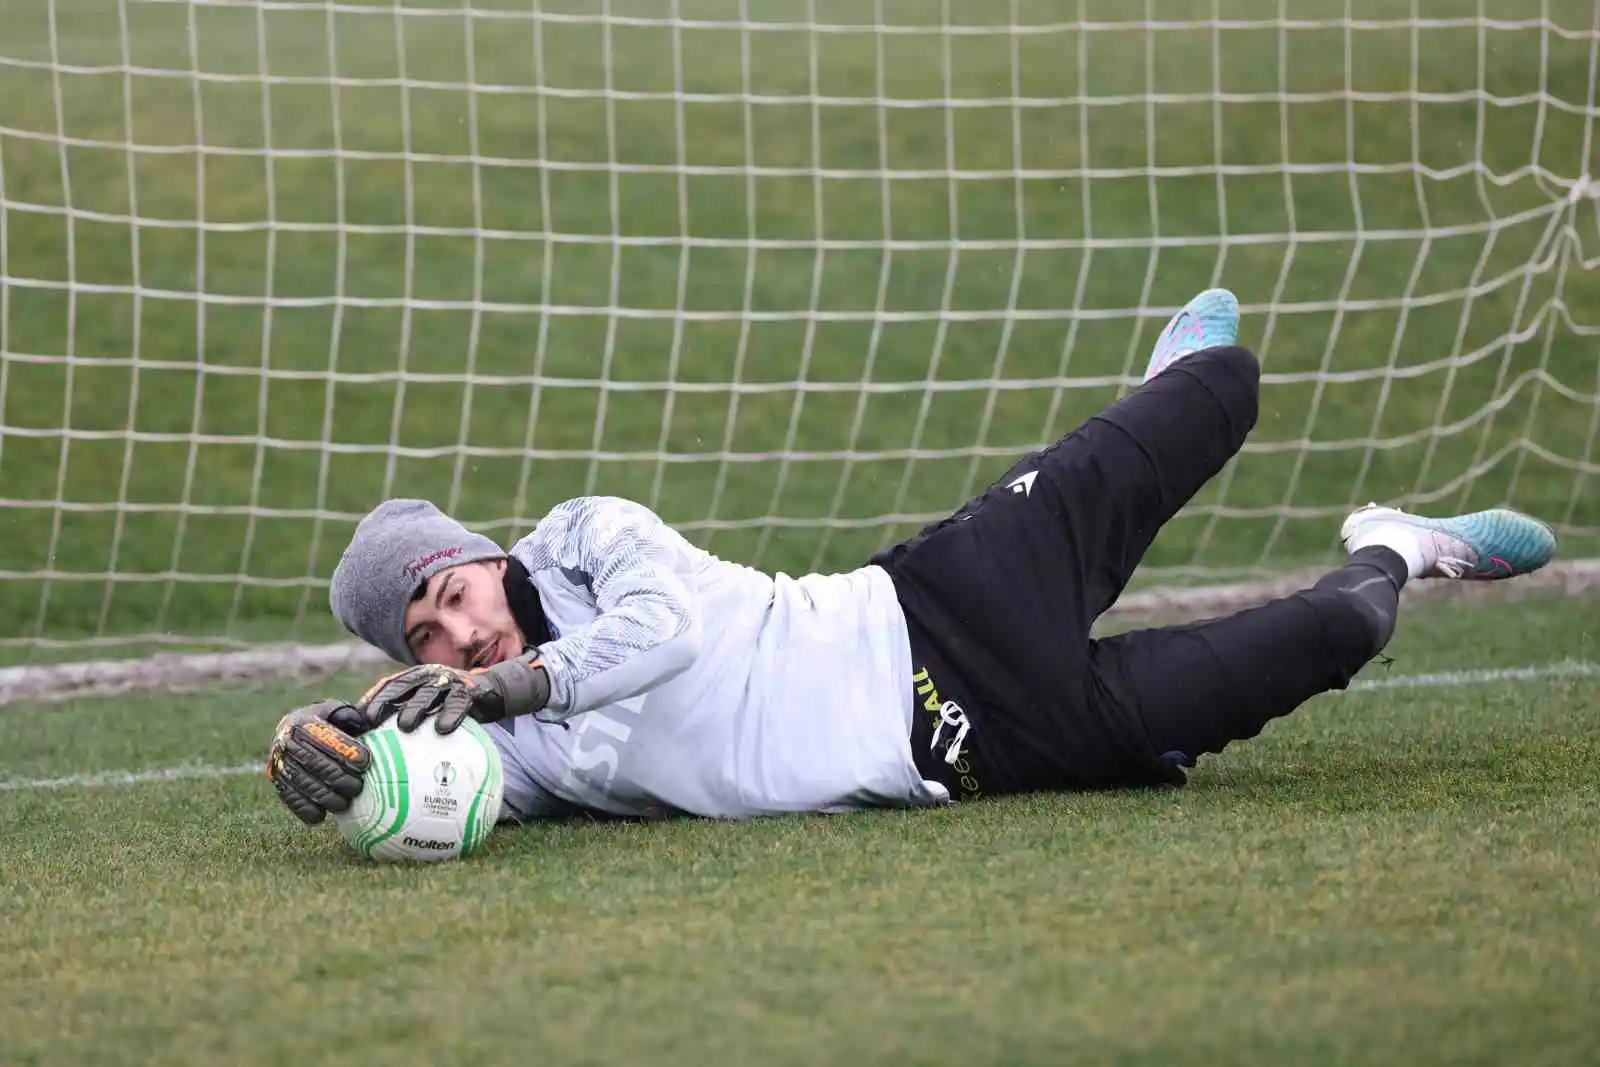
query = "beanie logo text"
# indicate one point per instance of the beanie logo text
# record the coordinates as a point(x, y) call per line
point(415, 568)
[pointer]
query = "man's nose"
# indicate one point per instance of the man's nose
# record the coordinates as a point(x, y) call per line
point(459, 631)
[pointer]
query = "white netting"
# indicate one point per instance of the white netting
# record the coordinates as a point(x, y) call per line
point(798, 275)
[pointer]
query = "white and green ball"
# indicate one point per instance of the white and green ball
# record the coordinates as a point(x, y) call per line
point(425, 797)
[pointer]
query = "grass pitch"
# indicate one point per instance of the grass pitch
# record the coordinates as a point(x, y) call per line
point(1397, 875)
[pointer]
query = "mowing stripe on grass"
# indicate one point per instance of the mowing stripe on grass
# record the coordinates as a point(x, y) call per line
point(1487, 676)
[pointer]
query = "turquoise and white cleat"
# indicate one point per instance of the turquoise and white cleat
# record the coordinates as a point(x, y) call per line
point(1499, 543)
point(1210, 320)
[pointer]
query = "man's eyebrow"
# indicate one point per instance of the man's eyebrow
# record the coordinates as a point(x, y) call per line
point(438, 594)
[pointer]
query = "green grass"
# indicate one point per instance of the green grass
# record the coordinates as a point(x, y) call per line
point(442, 268)
point(1402, 876)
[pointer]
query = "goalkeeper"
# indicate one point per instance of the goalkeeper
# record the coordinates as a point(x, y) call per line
point(623, 671)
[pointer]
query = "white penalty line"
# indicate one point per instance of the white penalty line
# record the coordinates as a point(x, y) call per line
point(193, 772)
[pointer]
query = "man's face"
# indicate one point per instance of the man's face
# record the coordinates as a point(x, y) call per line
point(462, 618)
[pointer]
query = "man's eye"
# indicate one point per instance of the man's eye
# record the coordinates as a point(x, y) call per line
point(454, 600)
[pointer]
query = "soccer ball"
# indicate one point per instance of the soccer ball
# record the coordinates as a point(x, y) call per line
point(425, 797)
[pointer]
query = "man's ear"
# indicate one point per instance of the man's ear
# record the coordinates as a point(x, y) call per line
point(499, 566)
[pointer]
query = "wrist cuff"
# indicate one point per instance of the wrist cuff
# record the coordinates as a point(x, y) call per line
point(525, 685)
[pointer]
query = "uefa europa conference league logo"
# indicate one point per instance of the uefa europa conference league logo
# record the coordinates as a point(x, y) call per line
point(442, 801)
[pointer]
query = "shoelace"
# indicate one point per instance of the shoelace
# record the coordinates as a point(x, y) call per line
point(1448, 563)
point(951, 714)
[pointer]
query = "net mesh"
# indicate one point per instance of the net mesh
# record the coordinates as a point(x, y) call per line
point(800, 276)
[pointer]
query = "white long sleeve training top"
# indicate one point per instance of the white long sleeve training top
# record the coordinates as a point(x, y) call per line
point(698, 686)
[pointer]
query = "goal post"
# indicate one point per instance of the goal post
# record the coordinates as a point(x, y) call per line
point(799, 274)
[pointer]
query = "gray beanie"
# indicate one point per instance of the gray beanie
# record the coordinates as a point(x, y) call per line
point(397, 547)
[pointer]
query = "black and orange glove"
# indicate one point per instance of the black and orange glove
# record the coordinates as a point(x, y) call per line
point(449, 696)
point(315, 762)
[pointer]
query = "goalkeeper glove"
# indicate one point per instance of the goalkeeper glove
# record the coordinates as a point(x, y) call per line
point(315, 763)
point(449, 695)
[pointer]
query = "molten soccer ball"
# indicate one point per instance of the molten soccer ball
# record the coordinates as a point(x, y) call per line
point(425, 797)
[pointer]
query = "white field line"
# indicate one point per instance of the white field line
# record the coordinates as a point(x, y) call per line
point(1488, 676)
point(190, 671)
point(121, 778)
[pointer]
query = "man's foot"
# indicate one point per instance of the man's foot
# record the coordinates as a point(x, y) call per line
point(1210, 320)
point(1485, 544)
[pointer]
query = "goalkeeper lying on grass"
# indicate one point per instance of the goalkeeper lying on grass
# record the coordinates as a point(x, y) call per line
point(626, 672)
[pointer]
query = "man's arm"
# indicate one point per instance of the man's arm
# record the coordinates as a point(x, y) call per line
point(647, 632)
point(649, 626)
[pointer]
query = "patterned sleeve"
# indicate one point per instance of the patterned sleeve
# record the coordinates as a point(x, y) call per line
point(649, 628)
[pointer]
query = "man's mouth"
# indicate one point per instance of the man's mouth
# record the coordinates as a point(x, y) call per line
point(487, 656)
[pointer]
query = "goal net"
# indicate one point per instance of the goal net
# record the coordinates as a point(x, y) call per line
point(800, 276)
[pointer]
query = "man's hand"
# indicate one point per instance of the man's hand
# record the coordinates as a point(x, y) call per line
point(315, 763)
point(449, 696)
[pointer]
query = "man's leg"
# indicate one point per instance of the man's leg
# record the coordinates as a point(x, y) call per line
point(1194, 689)
point(1112, 483)
point(999, 598)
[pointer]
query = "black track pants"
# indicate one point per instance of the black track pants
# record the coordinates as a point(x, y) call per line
point(1001, 596)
